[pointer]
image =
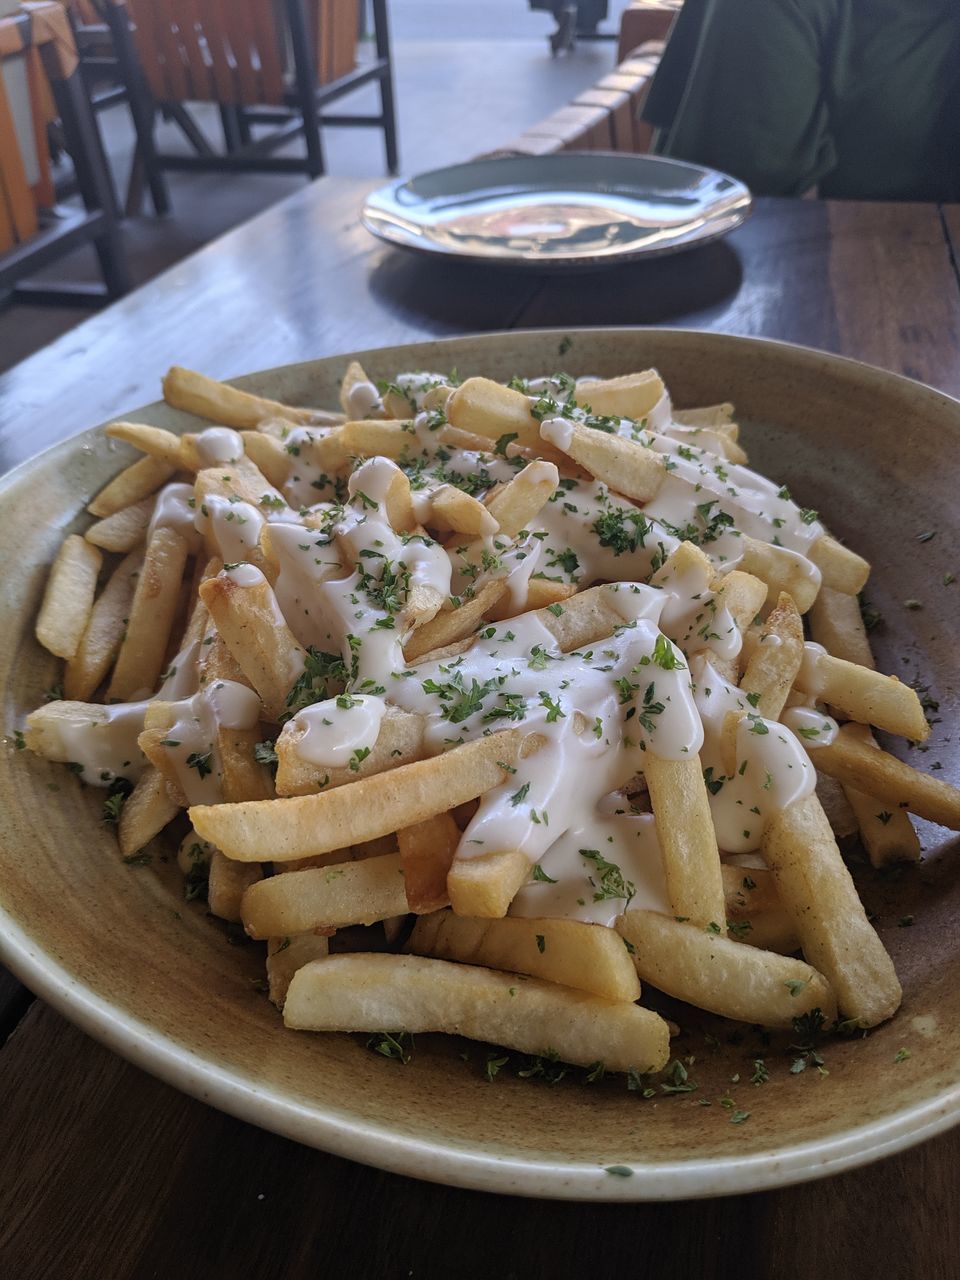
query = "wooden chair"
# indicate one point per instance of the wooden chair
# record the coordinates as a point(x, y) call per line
point(275, 63)
point(32, 233)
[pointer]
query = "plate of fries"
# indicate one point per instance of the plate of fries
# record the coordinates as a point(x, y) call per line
point(458, 758)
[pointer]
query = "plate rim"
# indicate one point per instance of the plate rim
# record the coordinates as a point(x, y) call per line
point(447, 1163)
point(574, 262)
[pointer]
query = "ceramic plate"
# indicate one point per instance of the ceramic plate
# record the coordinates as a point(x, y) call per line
point(116, 949)
point(559, 212)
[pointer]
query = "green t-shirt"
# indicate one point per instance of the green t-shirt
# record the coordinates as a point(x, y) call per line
point(860, 97)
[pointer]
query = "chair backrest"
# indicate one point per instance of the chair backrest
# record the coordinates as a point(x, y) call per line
point(235, 52)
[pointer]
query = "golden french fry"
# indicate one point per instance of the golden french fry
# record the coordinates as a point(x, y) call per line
point(68, 598)
point(390, 993)
point(493, 411)
point(691, 860)
point(542, 593)
point(887, 834)
point(355, 378)
point(860, 764)
point(840, 815)
point(378, 438)
point(241, 479)
point(773, 668)
point(306, 825)
point(742, 595)
point(818, 893)
point(485, 885)
point(840, 568)
point(427, 851)
point(837, 624)
point(194, 393)
point(269, 456)
point(323, 897)
point(101, 639)
point(711, 971)
point(152, 613)
point(288, 954)
point(622, 465)
point(227, 883)
point(138, 481)
point(124, 530)
point(630, 396)
point(154, 441)
point(249, 620)
point(783, 571)
point(452, 509)
point(518, 502)
point(863, 695)
point(451, 625)
point(400, 741)
point(586, 957)
point(585, 617)
point(146, 811)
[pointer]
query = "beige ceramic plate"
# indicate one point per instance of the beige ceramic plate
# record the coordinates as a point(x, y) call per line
point(116, 949)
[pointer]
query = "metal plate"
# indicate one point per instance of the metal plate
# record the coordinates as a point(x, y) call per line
point(560, 212)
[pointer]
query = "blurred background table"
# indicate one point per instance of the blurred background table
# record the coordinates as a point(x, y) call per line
point(106, 1172)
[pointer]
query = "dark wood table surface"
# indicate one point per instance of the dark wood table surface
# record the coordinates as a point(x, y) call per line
point(106, 1172)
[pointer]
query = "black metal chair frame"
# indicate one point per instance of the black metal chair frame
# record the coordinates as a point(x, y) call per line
point(96, 225)
point(303, 113)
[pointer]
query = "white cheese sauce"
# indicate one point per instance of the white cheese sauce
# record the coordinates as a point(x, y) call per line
point(350, 587)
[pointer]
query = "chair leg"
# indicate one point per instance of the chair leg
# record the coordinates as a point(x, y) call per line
point(306, 80)
point(141, 106)
point(387, 105)
point(93, 180)
point(231, 129)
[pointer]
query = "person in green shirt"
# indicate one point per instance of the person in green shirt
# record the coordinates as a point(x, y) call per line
point(856, 99)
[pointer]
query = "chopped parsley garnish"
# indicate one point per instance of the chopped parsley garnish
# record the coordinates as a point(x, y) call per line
point(201, 761)
point(397, 1045)
point(611, 882)
point(621, 530)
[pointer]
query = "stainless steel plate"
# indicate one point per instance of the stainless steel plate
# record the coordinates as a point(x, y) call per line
point(559, 212)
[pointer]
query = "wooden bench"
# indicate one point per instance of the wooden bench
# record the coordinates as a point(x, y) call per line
point(606, 117)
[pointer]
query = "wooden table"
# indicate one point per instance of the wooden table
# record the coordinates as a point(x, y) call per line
point(105, 1172)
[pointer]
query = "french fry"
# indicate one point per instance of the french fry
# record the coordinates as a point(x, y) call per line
point(427, 851)
point(783, 571)
point(586, 617)
point(691, 860)
point(493, 411)
point(400, 741)
point(837, 624)
point(818, 893)
point(306, 825)
point(249, 620)
point(773, 668)
point(450, 625)
point(840, 815)
point(68, 599)
point(288, 954)
point(269, 456)
point(389, 993)
point(859, 764)
point(124, 530)
point(89, 666)
point(227, 883)
point(863, 695)
point(887, 834)
point(518, 502)
point(622, 465)
point(378, 438)
point(723, 976)
point(586, 957)
point(194, 393)
point(325, 897)
point(146, 811)
point(457, 512)
point(485, 885)
point(138, 481)
point(151, 619)
point(541, 594)
point(241, 479)
point(153, 441)
point(632, 396)
point(841, 569)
